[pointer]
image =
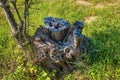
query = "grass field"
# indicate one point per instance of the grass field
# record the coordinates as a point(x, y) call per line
point(102, 26)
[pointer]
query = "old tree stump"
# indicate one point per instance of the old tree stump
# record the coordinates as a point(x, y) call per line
point(59, 44)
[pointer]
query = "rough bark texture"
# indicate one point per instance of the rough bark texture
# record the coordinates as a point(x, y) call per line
point(58, 49)
point(18, 31)
point(10, 18)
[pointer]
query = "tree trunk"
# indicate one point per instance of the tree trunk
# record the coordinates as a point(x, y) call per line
point(10, 18)
point(59, 48)
point(17, 30)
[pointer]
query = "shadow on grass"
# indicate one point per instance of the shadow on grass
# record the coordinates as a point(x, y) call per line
point(102, 59)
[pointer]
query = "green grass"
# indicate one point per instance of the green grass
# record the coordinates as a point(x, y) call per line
point(102, 62)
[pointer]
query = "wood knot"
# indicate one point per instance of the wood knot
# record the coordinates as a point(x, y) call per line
point(37, 39)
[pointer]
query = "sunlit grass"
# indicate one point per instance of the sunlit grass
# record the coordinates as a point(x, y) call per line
point(103, 57)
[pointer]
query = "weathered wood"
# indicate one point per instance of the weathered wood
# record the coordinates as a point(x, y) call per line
point(78, 37)
point(55, 55)
point(79, 25)
point(57, 28)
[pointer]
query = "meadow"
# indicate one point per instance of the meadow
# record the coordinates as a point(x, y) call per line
point(102, 25)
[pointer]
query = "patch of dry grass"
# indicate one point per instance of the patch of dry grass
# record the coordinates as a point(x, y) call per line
point(99, 6)
point(84, 3)
point(90, 19)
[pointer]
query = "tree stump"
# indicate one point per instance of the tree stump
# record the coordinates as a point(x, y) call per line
point(58, 44)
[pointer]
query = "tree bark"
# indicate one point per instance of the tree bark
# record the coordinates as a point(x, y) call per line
point(54, 55)
point(10, 18)
point(17, 29)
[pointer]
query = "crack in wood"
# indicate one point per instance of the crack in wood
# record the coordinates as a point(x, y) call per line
point(56, 51)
